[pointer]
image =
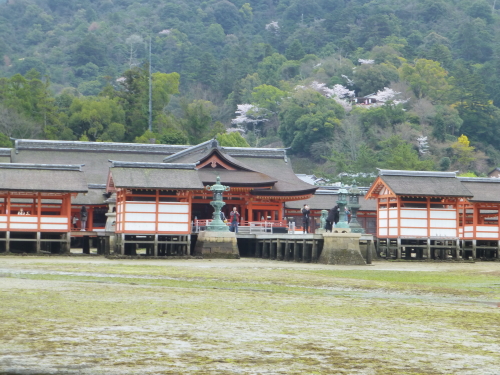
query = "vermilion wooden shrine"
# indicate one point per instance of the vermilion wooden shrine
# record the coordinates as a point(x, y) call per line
point(435, 212)
point(36, 199)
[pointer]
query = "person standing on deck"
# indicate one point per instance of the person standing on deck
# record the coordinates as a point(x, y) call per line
point(305, 218)
point(235, 219)
point(84, 215)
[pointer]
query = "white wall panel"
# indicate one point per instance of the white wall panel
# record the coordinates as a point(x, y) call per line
point(3, 218)
point(182, 208)
point(3, 225)
point(182, 218)
point(173, 227)
point(440, 214)
point(443, 223)
point(23, 226)
point(138, 227)
point(139, 217)
point(487, 228)
point(382, 223)
point(393, 231)
point(50, 219)
point(140, 207)
point(393, 213)
point(469, 228)
point(24, 219)
point(382, 232)
point(54, 226)
point(414, 232)
point(414, 223)
point(415, 213)
point(382, 214)
point(443, 232)
point(486, 235)
point(393, 223)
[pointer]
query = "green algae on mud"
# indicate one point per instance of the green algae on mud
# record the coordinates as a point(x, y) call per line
point(134, 318)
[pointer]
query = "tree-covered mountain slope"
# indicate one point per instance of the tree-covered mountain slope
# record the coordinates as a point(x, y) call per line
point(348, 85)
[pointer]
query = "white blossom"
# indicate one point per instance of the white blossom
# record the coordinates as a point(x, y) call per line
point(422, 145)
point(350, 82)
point(273, 26)
point(247, 114)
point(386, 95)
point(363, 61)
point(338, 93)
point(164, 32)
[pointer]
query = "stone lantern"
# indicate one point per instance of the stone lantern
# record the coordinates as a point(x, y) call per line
point(354, 194)
point(217, 225)
point(342, 203)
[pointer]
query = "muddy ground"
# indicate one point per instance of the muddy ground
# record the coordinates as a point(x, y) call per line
point(91, 315)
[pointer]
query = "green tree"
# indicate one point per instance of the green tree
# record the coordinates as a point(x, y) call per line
point(197, 119)
point(295, 51)
point(233, 139)
point(427, 79)
point(269, 69)
point(99, 118)
point(307, 117)
point(398, 154)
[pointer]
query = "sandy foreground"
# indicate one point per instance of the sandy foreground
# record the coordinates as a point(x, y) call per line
point(91, 315)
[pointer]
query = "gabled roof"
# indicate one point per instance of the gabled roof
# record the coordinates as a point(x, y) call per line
point(235, 178)
point(93, 155)
point(155, 176)
point(418, 183)
point(483, 189)
point(42, 178)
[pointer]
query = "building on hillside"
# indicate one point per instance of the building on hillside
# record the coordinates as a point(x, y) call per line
point(495, 173)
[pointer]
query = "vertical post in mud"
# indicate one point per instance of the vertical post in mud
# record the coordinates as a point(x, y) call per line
point(295, 251)
point(314, 254)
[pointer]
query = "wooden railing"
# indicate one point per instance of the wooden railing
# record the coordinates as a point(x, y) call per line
point(248, 227)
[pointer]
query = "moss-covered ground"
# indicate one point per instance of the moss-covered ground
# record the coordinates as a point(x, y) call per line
point(97, 316)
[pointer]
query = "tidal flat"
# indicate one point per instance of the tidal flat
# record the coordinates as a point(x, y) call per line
point(92, 315)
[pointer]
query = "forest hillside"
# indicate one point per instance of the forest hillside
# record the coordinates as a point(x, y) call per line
point(348, 85)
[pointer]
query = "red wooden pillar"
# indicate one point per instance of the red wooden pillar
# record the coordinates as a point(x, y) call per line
point(90, 221)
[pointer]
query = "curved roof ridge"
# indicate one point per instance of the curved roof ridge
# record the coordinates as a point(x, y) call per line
point(38, 144)
point(132, 164)
point(52, 167)
point(191, 149)
point(396, 172)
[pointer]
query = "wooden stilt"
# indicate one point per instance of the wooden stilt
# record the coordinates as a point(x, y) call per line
point(305, 252)
point(398, 249)
point(122, 244)
point(474, 249)
point(156, 246)
point(295, 251)
point(7, 242)
point(287, 250)
point(38, 242)
point(86, 245)
point(314, 254)
point(429, 255)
